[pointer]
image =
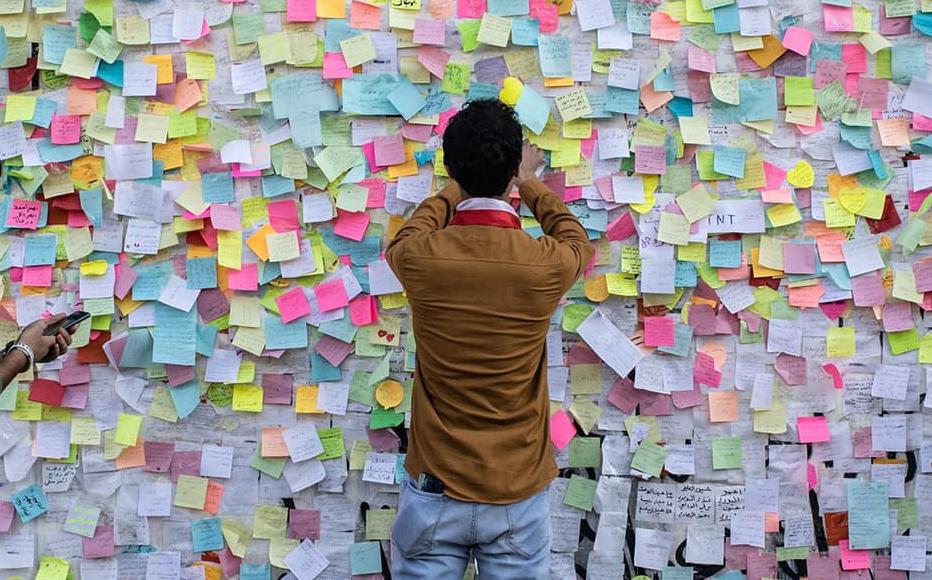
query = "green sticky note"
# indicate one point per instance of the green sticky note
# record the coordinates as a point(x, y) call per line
point(332, 440)
point(903, 341)
point(271, 466)
point(649, 458)
point(382, 418)
point(585, 452)
point(456, 78)
point(726, 453)
point(580, 493)
point(573, 315)
point(469, 33)
point(797, 553)
point(379, 523)
point(586, 379)
point(248, 26)
point(797, 91)
point(907, 513)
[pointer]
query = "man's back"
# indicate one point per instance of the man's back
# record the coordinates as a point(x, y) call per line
point(481, 298)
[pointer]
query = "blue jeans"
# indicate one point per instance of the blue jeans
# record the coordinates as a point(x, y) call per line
point(434, 536)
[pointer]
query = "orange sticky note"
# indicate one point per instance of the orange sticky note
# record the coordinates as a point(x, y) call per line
point(214, 497)
point(187, 94)
point(893, 132)
point(164, 73)
point(653, 100)
point(273, 444)
point(132, 456)
point(772, 50)
point(306, 399)
point(664, 27)
point(257, 242)
point(723, 407)
point(331, 9)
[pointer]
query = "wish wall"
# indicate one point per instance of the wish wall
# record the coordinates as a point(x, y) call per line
point(738, 383)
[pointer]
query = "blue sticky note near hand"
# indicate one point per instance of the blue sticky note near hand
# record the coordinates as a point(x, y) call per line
point(533, 110)
point(255, 571)
point(365, 558)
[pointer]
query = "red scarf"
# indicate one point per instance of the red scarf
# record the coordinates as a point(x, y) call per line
point(486, 217)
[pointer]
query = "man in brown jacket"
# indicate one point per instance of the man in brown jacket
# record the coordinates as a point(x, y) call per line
point(482, 293)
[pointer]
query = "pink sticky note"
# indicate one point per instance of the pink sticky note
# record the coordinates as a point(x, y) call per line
point(293, 305)
point(335, 351)
point(867, 290)
point(363, 310)
point(6, 516)
point(277, 389)
point(621, 227)
point(623, 395)
point(430, 31)
point(799, 258)
point(853, 559)
point(687, 399)
point(331, 295)
point(778, 195)
point(855, 56)
point(705, 372)
point(837, 18)
point(812, 429)
point(562, 429)
point(833, 371)
point(246, 278)
point(335, 66)
point(65, 129)
point(699, 59)
point(368, 150)
point(897, 316)
point(37, 276)
point(829, 71)
point(301, 10)
point(376, 187)
point(225, 217)
point(76, 396)
point(389, 150)
point(650, 159)
point(304, 524)
point(24, 213)
point(658, 331)
point(546, 13)
point(797, 39)
point(351, 225)
point(101, 545)
point(472, 9)
point(433, 59)
point(812, 476)
point(237, 170)
point(792, 369)
point(283, 216)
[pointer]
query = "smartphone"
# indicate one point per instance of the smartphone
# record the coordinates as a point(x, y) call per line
point(68, 323)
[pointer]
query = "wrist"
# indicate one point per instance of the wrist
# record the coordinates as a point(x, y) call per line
point(17, 360)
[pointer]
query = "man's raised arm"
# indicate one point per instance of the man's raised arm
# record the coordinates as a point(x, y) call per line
point(557, 221)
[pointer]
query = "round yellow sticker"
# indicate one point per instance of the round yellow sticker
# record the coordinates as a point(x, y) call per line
point(801, 175)
point(389, 394)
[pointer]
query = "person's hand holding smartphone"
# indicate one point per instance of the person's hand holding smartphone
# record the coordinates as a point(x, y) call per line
point(49, 337)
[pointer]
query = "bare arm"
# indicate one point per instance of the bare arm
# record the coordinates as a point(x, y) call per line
point(44, 348)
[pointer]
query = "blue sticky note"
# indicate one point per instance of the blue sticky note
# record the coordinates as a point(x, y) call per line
point(685, 275)
point(724, 253)
point(56, 40)
point(868, 515)
point(92, 205)
point(186, 398)
point(255, 571)
point(4, 46)
point(726, 19)
point(321, 370)
point(206, 535)
point(338, 29)
point(525, 31)
point(175, 335)
point(269, 271)
point(681, 107)
point(907, 61)
point(306, 130)
point(729, 160)
point(682, 339)
point(201, 272)
point(342, 329)
point(365, 558)
point(533, 110)
point(555, 56)
point(626, 101)
point(275, 185)
point(509, 7)
point(367, 94)
point(40, 250)
point(217, 187)
point(58, 153)
point(111, 73)
point(42, 116)
point(30, 503)
point(407, 99)
point(280, 335)
point(400, 467)
point(664, 80)
point(149, 281)
point(206, 337)
point(137, 351)
point(758, 99)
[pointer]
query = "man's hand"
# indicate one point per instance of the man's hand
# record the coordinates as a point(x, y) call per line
point(531, 158)
point(46, 348)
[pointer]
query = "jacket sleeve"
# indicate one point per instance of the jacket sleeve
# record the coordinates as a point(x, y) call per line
point(572, 244)
point(432, 215)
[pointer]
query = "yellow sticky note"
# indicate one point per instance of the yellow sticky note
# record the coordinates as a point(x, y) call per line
point(94, 268)
point(269, 522)
point(306, 399)
point(839, 342)
point(19, 108)
point(695, 130)
point(191, 492)
point(52, 568)
point(247, 398)
point(127, 430)
point(674, 229)
point(357, 50)
point(84, 431)
point(696, 203)
point(494, 30)
point(200, 65)
point(283, 246)
point(164, 73)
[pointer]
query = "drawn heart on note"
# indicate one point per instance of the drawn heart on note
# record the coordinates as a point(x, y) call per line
point(388, 336)
point(852, 200)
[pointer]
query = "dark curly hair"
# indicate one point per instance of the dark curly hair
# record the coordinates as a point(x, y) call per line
point(482, 147)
